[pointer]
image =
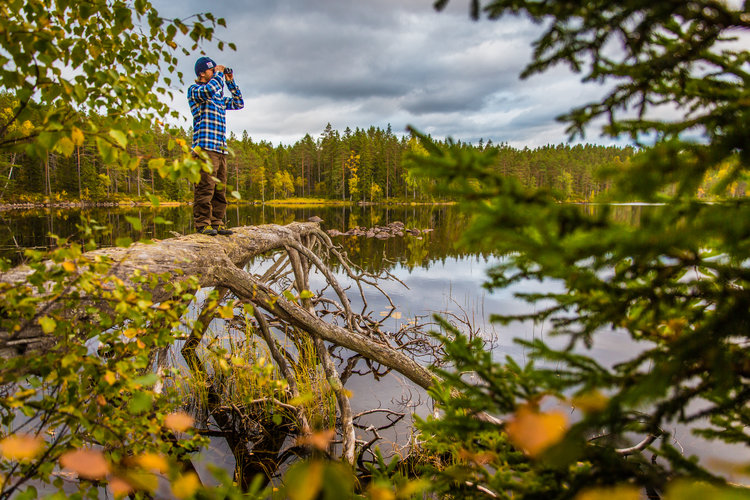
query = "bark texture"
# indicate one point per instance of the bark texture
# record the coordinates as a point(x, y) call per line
point(190, 255)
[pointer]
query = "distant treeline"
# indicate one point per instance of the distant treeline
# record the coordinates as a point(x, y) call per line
point(353, 165)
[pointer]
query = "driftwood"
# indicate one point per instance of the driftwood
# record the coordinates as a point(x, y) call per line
point(219, 262)
point(191, 255)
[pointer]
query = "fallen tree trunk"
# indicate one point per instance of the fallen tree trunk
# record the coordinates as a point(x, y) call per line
point(219, 262)
point(190, 255)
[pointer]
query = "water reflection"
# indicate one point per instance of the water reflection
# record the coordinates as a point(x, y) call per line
point(32, 228)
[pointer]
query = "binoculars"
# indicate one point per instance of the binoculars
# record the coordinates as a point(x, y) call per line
point(228, 71)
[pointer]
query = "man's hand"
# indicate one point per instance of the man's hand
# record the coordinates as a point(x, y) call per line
point(222, 68)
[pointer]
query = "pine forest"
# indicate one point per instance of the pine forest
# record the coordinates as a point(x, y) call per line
point(351, 166)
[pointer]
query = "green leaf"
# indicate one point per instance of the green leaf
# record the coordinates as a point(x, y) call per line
point(120, 137)
point(156, 164)
point(135, 222)
point(162, 221)
point(48, 324)
point(65, 146)
point(146, 380)
point(141, 402)
point(28, 494)
point(123, 242)
point(106, 150)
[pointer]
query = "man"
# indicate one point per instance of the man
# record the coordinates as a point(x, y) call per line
point(208, 106)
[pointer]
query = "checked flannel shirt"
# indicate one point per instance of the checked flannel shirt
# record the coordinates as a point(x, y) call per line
point(208, 106)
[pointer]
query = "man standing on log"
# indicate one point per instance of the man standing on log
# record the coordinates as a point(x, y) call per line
point(208, 106)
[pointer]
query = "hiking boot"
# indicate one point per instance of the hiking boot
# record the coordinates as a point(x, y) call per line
point(222, 230)
point(208, 231)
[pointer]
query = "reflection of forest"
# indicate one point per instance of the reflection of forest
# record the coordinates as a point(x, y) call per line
point(31, 228)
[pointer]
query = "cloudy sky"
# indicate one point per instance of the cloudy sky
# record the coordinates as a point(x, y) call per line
point(302, 64)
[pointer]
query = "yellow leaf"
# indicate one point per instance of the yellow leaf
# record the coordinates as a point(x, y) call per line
point(620, 492)
point(153, 461)
point(178, 421)
point(227, 311)
point(397, 315)
point(308, 485)
point(186, 485)
point(48, 324)
point(378, 492)
point(318, 440)
point(65, 146)
point(101, 401)
point(120, 487)
point(141, 480)
point(77, 136)
point(534, 432)
point(144, 304)
point(69, 266)
point(477, 458)
point(303, 398)
point(21, 447)
point(684, 489)
point(110, 377)
point(590, 402)
point(412, 488)
point(88, 464)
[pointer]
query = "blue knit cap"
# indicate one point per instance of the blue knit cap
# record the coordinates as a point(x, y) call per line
point(202, 64)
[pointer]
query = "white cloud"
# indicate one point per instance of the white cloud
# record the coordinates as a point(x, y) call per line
point(301, 65)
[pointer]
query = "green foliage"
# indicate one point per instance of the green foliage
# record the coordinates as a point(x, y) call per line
point(96, 387)
point(674, 288)
point(80, 85)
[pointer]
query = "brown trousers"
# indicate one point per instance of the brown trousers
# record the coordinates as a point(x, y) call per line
point(209, 201)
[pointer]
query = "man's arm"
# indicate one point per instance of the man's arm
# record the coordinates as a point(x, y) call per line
point(236, 101)
point(202, 93)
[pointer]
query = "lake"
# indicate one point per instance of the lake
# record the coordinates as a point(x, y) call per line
point(439, 276)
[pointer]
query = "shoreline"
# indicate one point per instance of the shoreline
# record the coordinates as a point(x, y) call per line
point(292, 203)
point(84, 204)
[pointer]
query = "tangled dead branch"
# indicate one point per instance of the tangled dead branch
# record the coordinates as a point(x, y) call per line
point(282, 302)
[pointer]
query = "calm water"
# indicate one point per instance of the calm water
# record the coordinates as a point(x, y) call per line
point(33, 228)
point(439, 276)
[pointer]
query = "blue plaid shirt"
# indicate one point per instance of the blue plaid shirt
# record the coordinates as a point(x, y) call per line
point(208, 106)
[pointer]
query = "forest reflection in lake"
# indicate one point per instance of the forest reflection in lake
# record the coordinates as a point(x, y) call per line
point(22, 229)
